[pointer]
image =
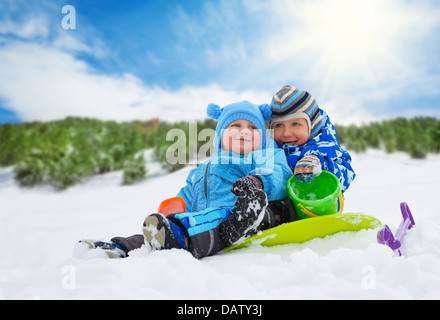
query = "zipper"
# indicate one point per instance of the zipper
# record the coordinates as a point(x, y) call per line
point(206, 183)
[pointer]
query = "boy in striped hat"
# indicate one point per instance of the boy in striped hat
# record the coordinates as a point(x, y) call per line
point(308, 137)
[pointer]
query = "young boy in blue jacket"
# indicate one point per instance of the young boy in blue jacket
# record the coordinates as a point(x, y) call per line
point(307, 136)
point(227, 197)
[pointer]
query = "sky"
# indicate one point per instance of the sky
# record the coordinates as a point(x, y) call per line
point(123, 60)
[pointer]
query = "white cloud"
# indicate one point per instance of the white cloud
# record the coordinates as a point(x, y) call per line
point(42, 78)
point(41, 82)
point(36, 27)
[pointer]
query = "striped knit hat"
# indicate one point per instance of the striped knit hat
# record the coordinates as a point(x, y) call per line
point(290, 103)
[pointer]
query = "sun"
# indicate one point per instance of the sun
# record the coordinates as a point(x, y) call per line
point(348, 32)
point(346, 40)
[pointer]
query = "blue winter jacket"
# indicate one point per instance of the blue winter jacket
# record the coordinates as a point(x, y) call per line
point(326, 146)
point(209, 185)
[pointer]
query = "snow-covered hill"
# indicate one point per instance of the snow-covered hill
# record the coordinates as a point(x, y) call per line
point(39, 228)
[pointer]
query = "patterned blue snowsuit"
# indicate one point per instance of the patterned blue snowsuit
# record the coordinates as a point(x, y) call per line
point(326, 146)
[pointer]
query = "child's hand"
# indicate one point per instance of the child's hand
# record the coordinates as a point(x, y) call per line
point(244, 184)
point(308, 168)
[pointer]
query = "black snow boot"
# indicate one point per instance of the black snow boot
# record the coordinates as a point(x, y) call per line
point(159, 234)
point(129, 243)
point(112, 250)
point(277, 213)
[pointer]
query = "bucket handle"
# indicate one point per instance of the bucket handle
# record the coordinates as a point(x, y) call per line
point(312, 215)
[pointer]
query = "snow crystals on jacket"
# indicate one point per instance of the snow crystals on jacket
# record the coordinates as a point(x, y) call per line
point(326, 146)
point(209, 185)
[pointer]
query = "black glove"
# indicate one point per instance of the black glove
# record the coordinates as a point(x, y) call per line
point(244, 184)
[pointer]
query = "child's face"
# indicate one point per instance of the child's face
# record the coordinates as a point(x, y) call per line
point(294, 131)
point(241, 136)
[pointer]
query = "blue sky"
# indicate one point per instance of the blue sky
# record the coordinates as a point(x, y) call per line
point(362, 60)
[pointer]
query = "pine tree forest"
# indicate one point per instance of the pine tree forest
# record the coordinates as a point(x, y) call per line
point(66, 152)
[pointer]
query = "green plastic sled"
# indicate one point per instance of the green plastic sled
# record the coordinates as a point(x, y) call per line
point(304, 230)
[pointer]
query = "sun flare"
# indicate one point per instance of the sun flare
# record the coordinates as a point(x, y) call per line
point(343, 42)
point(349, 28)
point(349, 34)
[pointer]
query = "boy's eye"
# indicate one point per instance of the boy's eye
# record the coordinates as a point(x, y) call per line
point(253, 127)
point(236, 125)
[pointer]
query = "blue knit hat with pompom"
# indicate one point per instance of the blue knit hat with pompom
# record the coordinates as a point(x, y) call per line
point(257, 114)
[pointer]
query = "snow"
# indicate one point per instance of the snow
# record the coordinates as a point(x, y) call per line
point(39, 228)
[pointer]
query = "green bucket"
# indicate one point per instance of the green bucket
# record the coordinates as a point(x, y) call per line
point(320, 197)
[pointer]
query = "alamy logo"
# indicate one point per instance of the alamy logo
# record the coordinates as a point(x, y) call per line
point(193, 146)
point(69, 20)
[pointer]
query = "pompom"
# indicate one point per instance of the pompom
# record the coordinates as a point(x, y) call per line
point(266, 111)
point(214, 111)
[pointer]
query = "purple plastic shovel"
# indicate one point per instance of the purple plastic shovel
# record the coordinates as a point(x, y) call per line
point(385, 235)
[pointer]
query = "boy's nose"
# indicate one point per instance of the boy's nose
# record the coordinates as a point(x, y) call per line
point(288, 132)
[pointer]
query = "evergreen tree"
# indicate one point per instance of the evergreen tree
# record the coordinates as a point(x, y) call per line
point(134, 169)
point(389, 139)
point(418, 144)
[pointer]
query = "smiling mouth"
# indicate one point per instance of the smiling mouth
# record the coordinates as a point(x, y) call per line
point(290, 142)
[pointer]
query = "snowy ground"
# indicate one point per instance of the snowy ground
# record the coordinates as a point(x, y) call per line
point(39, 228)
